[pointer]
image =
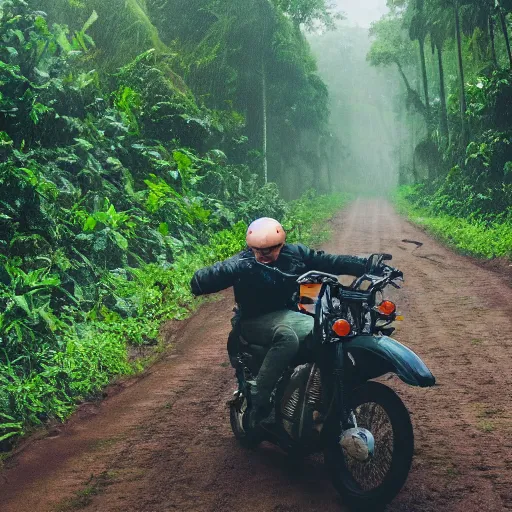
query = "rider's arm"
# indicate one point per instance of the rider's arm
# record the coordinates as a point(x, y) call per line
point(337, 264)
point(217, 277)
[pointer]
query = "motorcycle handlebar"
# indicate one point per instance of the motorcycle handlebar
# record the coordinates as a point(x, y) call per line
point(389, 274)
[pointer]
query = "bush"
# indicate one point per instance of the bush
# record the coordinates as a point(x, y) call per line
point(474, 235)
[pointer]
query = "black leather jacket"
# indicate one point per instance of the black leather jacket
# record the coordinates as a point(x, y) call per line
point(258, 291)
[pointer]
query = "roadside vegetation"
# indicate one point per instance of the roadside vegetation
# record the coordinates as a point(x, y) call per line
point(474, 235)
point(118, 181)
point(453, 65)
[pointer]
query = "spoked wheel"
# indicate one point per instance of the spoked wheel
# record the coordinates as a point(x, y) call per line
point(237, 408)
point(370, 485)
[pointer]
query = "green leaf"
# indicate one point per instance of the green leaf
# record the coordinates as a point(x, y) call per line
point(163, 229)
point(21, 302)
point(11, 434)
point(5, 140)
point(39, 110)
point(120, 240)
point(90, 224)
point(41, 26)
point(183, 161)
point(12, 51)
point(84, 144)
point(19, 34)
point(93, 18)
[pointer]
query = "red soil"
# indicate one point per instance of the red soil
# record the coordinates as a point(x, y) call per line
point(162, 442)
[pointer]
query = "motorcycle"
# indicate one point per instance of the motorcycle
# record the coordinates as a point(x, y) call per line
point(329, 402)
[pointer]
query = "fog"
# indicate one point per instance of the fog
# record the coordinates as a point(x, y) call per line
point(362, 13)
point(362, 101)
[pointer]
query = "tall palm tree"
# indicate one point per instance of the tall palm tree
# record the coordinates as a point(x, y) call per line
point(502, 8)
point(440, 25)
point(418, 32)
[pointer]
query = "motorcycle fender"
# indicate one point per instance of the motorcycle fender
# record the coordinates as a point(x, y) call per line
point(377, 355)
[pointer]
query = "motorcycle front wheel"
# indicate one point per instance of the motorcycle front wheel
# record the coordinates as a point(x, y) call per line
point(370, 485)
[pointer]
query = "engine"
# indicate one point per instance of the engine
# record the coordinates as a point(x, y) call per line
point(301, 405)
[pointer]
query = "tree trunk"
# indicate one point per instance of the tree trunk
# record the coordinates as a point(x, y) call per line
point(264, 96)
point(413, 150)
point(505, 34)
point(461, 75)
point(424, 75)
point(493, 41)
point(323, 169)
point(413, 96)
point(442, 93)
point(404, 78)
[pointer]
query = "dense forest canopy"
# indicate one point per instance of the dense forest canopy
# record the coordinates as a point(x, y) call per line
point(139, 137)
point(245, 56)
point(454, 61)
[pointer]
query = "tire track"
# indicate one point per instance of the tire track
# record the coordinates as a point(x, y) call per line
point(164, 442)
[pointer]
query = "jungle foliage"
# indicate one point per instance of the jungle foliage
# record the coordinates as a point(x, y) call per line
point(245, 56)
point(461, 90)
point(114, 188)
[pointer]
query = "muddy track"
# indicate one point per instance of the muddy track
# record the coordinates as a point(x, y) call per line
point(163, 442)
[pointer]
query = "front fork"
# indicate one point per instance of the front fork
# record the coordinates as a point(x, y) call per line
point(338, 417)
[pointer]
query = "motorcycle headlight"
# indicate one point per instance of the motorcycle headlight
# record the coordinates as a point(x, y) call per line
point(342, 327)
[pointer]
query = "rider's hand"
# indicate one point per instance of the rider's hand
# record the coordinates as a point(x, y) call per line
point(394, 273)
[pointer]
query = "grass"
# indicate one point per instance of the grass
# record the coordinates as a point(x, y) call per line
point(487, 416)
point(83, 497)
point(486, 426)
point(475, 237)
point(452, 471)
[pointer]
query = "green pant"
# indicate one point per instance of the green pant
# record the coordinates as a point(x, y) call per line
point(285, 333)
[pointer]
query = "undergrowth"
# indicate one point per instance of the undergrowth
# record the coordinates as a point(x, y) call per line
point(478, 235)
point(89, 353)
point(113, 191)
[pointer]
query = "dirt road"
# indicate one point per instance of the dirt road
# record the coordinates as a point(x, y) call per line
point(163, 443)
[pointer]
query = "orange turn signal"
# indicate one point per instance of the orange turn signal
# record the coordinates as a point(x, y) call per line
point(342, 327)
point(386, 307)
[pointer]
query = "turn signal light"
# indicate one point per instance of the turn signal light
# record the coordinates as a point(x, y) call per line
point(386, 307)
point(342, 327)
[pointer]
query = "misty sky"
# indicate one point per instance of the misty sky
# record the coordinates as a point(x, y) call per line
point(362, 12)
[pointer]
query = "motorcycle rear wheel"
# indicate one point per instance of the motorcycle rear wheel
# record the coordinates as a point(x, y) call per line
point(247, 439)
point(372, 484)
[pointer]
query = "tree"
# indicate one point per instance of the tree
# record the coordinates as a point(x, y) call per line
point(439, 26)
point(455, 5)
point(310, 13)
point(391, 45)
point(252, 55)
point(418, 32)
point(501, 6)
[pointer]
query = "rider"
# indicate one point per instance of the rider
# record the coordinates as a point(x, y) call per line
point(268, 312)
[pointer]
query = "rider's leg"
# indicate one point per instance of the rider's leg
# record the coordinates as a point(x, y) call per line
point(283, 332)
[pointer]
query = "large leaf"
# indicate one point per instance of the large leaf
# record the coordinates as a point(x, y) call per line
point(92, 19)
point(121, 241)
point(21, 302)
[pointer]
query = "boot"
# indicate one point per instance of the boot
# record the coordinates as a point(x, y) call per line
point(257, 412)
